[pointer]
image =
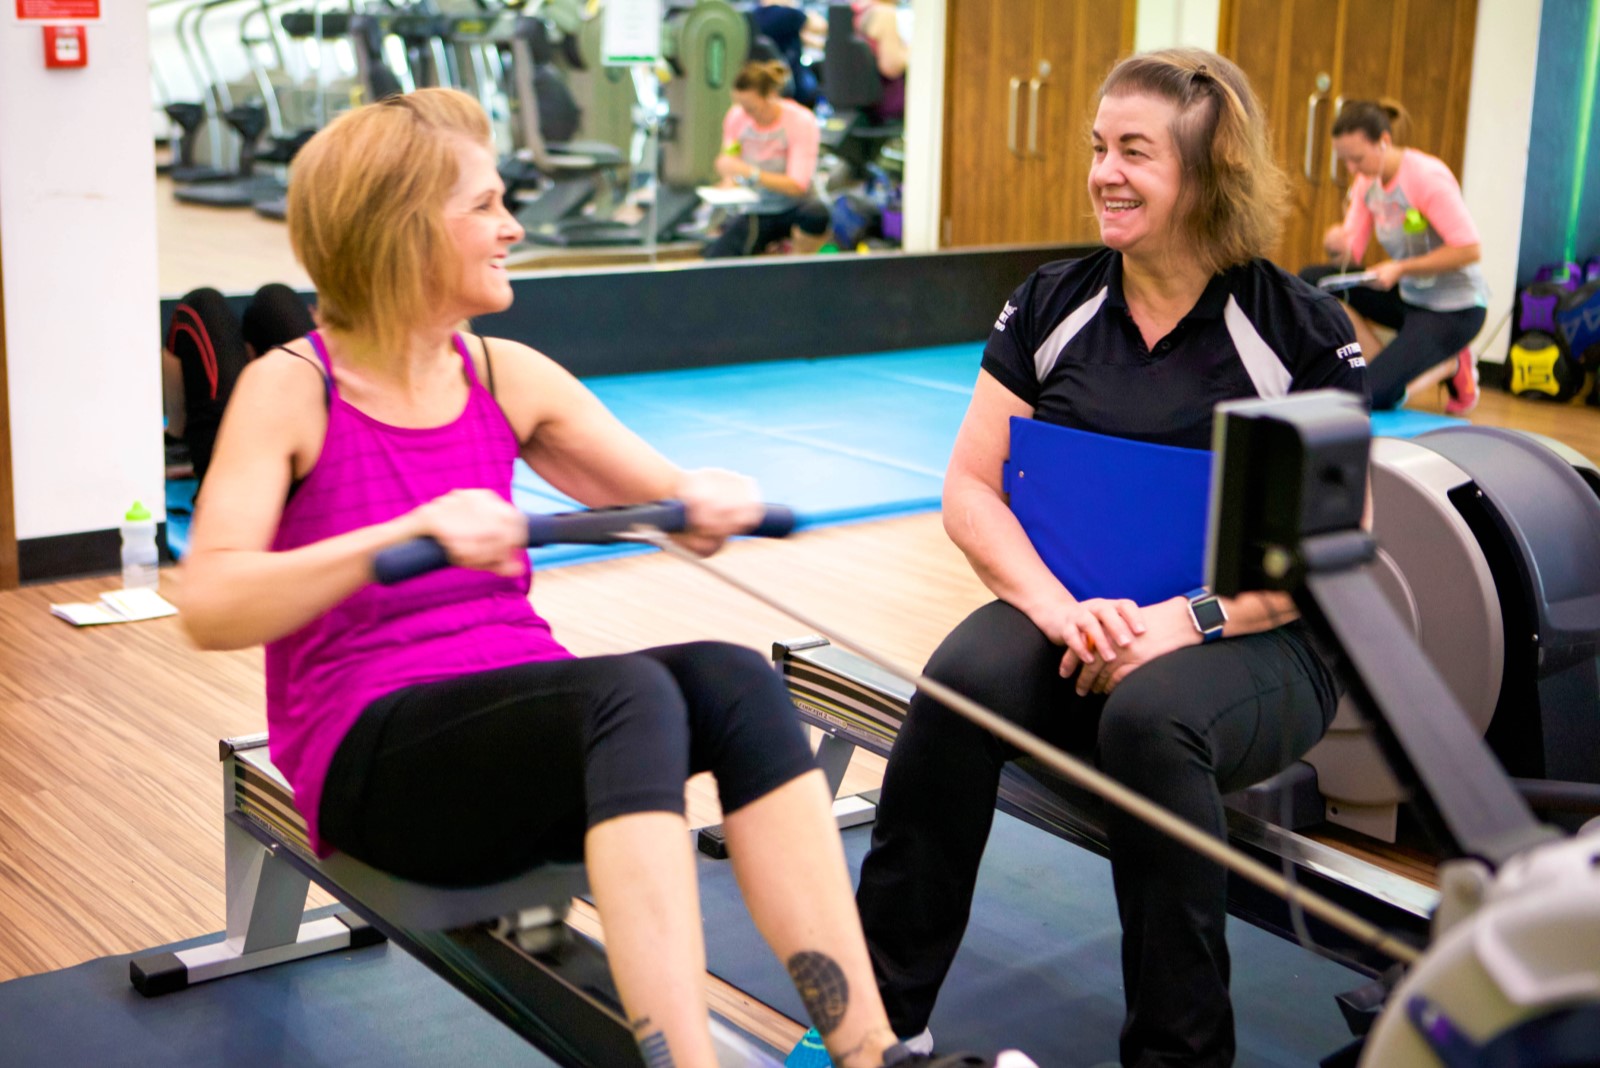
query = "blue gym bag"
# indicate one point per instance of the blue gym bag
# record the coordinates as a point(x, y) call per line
point(1108, 516)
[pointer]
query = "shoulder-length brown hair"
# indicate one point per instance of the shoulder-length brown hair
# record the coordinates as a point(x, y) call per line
point(366, 201)
point(1234, 193)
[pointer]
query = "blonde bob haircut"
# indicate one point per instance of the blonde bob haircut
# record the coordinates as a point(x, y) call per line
point(366, 210)
point(1234, 194)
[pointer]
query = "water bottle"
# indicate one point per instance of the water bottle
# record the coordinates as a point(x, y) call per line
point(1415, 227)
point(140, 560)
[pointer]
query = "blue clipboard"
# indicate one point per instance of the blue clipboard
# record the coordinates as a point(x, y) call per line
point(1110, 517)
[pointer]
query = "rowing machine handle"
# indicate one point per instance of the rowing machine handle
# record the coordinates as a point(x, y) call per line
point(592, 527)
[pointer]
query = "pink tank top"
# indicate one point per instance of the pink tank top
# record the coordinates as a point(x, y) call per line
point(383, 638)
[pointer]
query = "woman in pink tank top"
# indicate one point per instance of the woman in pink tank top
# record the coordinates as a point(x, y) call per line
point(436, 729)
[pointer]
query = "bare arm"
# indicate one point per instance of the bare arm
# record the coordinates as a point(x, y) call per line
point(575, 443)
point(1387, 274)
point(1444, 258)
point(977, 517)
point(884, 30)
point(732, 167)
point(815, 32)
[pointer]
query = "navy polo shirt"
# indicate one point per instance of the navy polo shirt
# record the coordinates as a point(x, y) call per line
point(1066, 344)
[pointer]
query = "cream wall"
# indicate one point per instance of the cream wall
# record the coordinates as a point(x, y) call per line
point(1499, 126)
point(1165, 23)
point(77, 222)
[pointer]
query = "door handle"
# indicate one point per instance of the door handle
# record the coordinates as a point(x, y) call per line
point(1034, 85)
point(1311, 134)
point(1333, 157)
point(1011, 117)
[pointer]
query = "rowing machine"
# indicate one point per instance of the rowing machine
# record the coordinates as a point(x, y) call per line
point(505, 945)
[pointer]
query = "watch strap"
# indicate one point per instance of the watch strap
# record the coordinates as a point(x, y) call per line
point(1202, 600)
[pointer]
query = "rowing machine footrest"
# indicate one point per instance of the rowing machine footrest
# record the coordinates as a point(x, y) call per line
point(362, 933)
point(158, 973)
point(1290, 798)
point(543, 940)
point(1362, 1006)
point(712, 842)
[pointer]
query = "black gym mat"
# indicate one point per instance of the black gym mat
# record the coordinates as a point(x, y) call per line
point(373, 1007)
point(1039, 969)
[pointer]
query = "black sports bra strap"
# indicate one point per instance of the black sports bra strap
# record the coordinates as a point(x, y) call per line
point(488, 365)
point(327, 385)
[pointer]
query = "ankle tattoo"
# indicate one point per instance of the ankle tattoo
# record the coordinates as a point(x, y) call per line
point(822, 986)
point(652, 1044)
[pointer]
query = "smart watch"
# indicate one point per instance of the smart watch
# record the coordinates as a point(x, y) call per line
point(1207, 612)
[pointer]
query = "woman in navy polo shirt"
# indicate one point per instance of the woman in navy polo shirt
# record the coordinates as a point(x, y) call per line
point(1182, 699)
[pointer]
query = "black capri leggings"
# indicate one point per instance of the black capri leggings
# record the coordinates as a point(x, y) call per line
point(1423, 338)
point(479, 778)
point(745, 235)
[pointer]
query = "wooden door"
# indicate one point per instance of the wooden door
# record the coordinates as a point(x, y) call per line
point(1305, 57)
point(989, 60)
point(1079, 43)
point(1424, 60)
point(1289, 52)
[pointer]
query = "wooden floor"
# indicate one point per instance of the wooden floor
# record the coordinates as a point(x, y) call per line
point(110, 834)
point(110, 793)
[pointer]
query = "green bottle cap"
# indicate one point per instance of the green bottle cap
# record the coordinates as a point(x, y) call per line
point(1414, 222)
point(137, 514)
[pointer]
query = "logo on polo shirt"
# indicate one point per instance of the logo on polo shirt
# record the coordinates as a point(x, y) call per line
point(1005, 315)
point(1351, 354)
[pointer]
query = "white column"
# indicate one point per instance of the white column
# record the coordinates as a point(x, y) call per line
point(77, 222)
point(1499, 127)
point(1169, 23)
point(921, 193)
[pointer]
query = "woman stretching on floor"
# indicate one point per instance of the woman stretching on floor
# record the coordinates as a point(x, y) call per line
point(1430, 291)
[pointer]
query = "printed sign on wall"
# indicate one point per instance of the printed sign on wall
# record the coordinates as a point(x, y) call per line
point(77, 10)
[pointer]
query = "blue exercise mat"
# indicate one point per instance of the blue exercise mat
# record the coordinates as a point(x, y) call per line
point(1039, 969)
point(370, 1008)
point(839, 439)
point(1404, 423)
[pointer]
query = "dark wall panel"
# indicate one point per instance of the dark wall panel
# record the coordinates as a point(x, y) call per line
point(618, 321)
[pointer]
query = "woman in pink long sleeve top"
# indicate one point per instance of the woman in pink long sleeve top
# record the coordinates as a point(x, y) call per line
point(1430, 291)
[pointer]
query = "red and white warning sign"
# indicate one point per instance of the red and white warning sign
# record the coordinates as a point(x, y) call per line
point(76, 10)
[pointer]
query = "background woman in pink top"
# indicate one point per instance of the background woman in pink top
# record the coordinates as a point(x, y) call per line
point(769, 145)
point(436, 729)
point(1430, 291)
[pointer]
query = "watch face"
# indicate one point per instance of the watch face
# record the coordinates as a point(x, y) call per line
point(1208, 614)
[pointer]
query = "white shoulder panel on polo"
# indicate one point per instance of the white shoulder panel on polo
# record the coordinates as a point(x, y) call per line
point(1271, 377)
point(1048, 353)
